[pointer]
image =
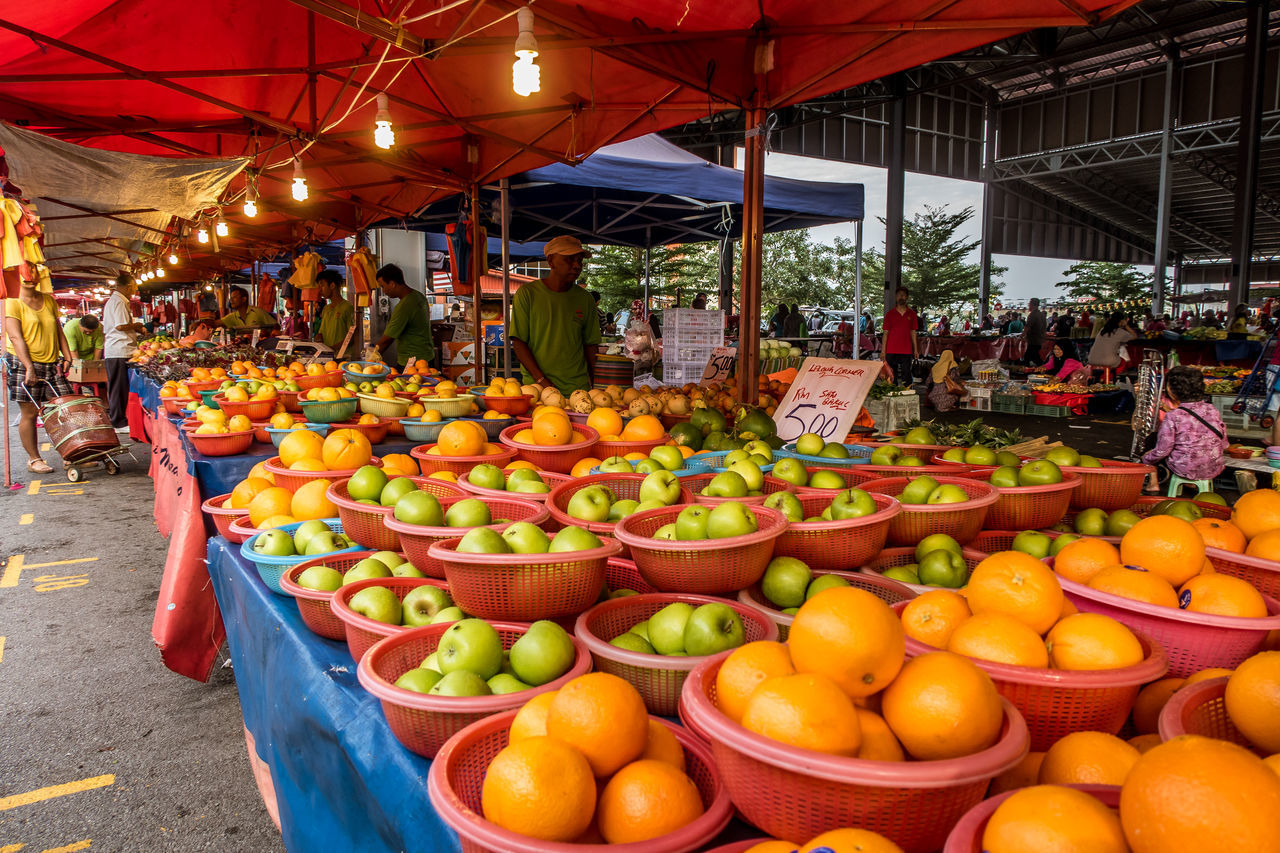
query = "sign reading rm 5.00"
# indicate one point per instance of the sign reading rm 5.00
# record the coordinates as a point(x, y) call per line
point(719, 365)
point(825, 398)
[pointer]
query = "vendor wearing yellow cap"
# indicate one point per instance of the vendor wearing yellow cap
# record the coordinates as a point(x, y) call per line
point(554, 329)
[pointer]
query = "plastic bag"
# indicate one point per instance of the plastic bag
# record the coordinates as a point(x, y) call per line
point(638, 344)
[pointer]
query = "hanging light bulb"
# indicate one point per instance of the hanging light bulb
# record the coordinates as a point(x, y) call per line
point(202, 235)
point(173, 259)
point(383, 135)
point(250, 207)
point(299, 181)
point(159, 272)
point(251, 197)
point(525, 75)
point(221, 228)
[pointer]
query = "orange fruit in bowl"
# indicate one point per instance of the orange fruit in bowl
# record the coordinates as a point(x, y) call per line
point(1092, 641)
point(1024, 774)
point(367, 419)
point(851, 840)
point(806, 710)
point(878, 740)
point(745, 669)
point(605, 421)
point(539, 787)
point(851, 636)
point(268, 502)
point(1151, 701)
point(663, 745)
point(634, 456)
point(1222, 534)
point(447, 476)
point(403, 461)
point(531, 719)
point(1265, 545)
point(246, 490)
point(459, 439)
point(1135, 583)
point(582, 467)
point(1017, 585)
point(284, 420)
point(312, 501)
point(1053, 817)
point(942, 706)
point(516, 464)
point(346, 449)
point(302, 444)
point(309, 464)
point(773, 845)
point(604, 717)
point(1256, 512)
point(1088, 758)
point(1166, 546)
point(1206, 674)
point(1080, 560)
point(643, 428)
point(1000, 638)
point(645, 800)
point(1222, 595)
point(260, 471)
point(1253, 700)
point(551, 431)
point(276, 521)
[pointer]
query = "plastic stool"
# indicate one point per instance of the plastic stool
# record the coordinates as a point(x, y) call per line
point(1176, 483)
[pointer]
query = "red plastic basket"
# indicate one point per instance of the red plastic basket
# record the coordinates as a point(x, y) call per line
point(834, 545)
point(223, 516)
point(1031, 507)
point(365, 524)
point(549, 478)
point(525, 586)
point(967, 835)
point(923, 452)
point(290, 400)
point(375, 432)
point(423, 722)
point(314, 604)
point(891, 557)
point(240, 531)
point(508, 405)
point(606, 448)
point(1115, 485)
point(797, 793)
point(328, 379)
point(362, 632)
point(657, 677)
point(864, 473)
point(294, 480)
point(1057, 702)
point(430, 463)
point(695, 483)
point(625, 486)
point(222, 444)
point(1193, 641)
point(254, 410)
point(560, 458)
point(174, 405)
point(394, 427)
point(1263, 574)
point(889, 591)
point(207, 385)
point(260, 433)
point(703, 567)
point(457, 774)
point(416, 539)
point(621, 573)
point(962, 521)
point(1201, 709)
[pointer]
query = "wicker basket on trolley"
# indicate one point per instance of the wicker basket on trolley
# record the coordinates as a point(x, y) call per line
point(78, 426)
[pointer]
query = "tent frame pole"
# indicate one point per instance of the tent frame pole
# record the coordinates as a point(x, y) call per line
point(4, 346)
point(752, 252)
point(857, 288)
point(479, 266)
point(504, 187)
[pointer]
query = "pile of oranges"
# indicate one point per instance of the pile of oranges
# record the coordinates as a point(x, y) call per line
point(551, 427)
point(609, 424)
point(463, 438)
point(587, 764)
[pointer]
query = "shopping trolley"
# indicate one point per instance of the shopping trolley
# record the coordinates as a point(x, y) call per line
point(1147, 393)
point(80, 431)
point(1259, 388)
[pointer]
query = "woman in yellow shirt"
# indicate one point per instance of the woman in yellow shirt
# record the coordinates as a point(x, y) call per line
point(35, 372)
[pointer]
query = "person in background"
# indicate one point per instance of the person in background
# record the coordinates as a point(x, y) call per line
point(85, 337)
point(610, 322)
point(777, 325)
point(655, 325)
point(1114, 334)
point(294, 325)
point(945, 388)
point(338, 315)
point(1264, 313)
point(1064, 364)
point(554, 330)
point(901, 343)
point(118, 344)
point(1086, 320)
point(601, 316)
point(699, 302)
point(794, 326)
point(1239, 327)
point(409, 326)
point(242, 315)
point(36, 359)
point(944, 326)
point(1015, 324)
point(1062, 329)
point(866, 334)
point(1191, 438)
point(842, 343)
point(1210, 320)
point(988, 323)
point(1034, 332)
point(456, 314)
point(816, 320)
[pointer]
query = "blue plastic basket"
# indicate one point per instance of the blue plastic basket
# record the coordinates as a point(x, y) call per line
point(861, 454)
point(492, 427)
point(271, 569)
point(277, 435)
point(713, 461)
point(424, 431)
point(691, 468)
point(352, 376)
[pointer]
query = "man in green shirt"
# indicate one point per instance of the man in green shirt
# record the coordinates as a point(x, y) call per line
point(85, 336)
point(243, 315)
point(554, 328)
point(337, 317)
point(409, 326)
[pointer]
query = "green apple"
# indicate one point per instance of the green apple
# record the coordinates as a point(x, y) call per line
point(377, 603)
point(367, 483)
point(483, 540)
point(943, 568)
point(902, 574)
point(417, 507)
point(306, 530)
point(750, 472)
point(524, 537)
point(487, 476)
point(791, 471)
point(461, 682)
point(1211, 498)
point(418, 680)
point(666, 627)
point(390, 559)
point(449, 614)
point(666, 531)
point(326, 543)
point(979, 455)
point(320, 578)
point(669, 458)
point(1091, 522)
point(645, 506)
point(633, 643)
point(948, 493)
point(955, 454)
point(713, 628)
point(691, 523)
point(785, 581)
point(824, 478)
point(834, 450)
point(589, 504)
point(852, 503)
point(276, 543)
point(1060, 542)
point(544, 653)
point(615, 465)
point(733, 457)
point(935, 542)
point(1119, 522)
point(366, 569)
point(759, 447)
point(1004, 457)
point(422, 604)
point(521, 475)
point(1063, 457)
point(1087, 461)
point(824, 582)
point(1041, 472)
point(727, 484)
point(1185, 510)
point(468, 512)
point(574, 539)
point(1004, 477)
point(919, 435)
point(918, 490)
point(641, 629)
point(910, 462)
point(622, 509)
point(787, 504)
point(886, 455)
point(810, 444)
point(407, 570)
point(648, 465)
point(473, 645)
point(395, 489)
point(1032, 542)
point(505, 682)
point(730, 519)
point(661, 486)
point(528, 487)
point(622, 593)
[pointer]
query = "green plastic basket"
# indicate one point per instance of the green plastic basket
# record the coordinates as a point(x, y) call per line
point(329, 411)
point(1037, 410)
point(1013, 404)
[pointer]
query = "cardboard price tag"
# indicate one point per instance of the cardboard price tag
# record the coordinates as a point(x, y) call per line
point(343, 347)
point(719, 365)
point(825, 398)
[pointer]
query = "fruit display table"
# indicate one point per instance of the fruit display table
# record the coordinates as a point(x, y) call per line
point(974, 349)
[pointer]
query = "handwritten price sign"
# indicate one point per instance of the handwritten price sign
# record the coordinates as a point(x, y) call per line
point(825, 398)
point(720, 365)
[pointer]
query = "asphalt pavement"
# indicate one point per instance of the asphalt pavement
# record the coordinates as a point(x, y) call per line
point(101, 747)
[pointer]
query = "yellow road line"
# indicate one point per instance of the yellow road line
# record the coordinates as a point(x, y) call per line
point(2, 849)
point(70, 848)
point(46, 447)
point(56, 791)
point(17, 563)
point(11, 848)
point(26, 518)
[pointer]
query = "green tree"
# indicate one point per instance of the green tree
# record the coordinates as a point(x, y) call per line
point(1107, 282)
point(795, 269)
point(617, 272)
